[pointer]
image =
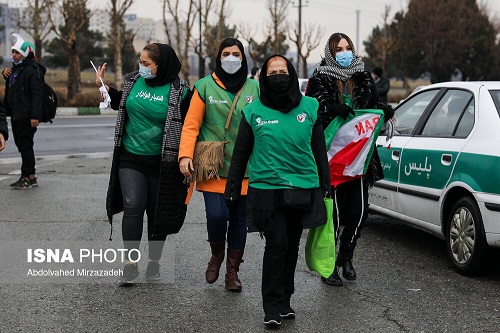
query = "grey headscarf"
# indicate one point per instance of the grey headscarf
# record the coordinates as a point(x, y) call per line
point(333, 68)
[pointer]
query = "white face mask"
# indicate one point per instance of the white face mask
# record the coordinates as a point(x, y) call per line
point(231, 64)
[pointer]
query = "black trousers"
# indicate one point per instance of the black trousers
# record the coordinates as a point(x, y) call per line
point(351, 201)
point(23, 138)
point(282, 233)
point(140, 193)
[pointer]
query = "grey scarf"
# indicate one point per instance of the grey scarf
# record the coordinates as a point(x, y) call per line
point(333, 68)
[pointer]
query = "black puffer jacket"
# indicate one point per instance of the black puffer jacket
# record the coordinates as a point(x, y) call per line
point(3, 123)
point(324, 88)
point(24, 90)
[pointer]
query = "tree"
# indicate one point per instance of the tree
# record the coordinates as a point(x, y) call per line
point(381, 45)
point(277, 27)
point(34, 21)
point(57, 55)
point(306, 44)
point(455, 36)
point(76, 16)
point(180, 32)
point(213, 34)
point(255, 49)
point(116, 11)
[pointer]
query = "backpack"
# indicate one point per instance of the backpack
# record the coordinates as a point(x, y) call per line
point(49, 103)
point(49, 100)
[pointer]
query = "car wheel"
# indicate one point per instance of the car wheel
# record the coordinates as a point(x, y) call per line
point(466, 241)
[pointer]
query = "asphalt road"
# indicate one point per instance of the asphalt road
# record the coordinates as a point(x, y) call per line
point(405, 282)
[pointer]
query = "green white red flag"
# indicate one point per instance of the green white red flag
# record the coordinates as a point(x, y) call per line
point(350, 143)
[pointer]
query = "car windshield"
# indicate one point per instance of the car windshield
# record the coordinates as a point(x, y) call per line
point(495, 94)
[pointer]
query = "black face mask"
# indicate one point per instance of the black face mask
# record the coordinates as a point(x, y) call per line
point(278, 83)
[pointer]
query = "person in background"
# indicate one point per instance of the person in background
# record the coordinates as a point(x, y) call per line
point(253, 72)
point(145, 173)
point(23, 102)
point(383, 84)
point(341, 84)
point(4, 131)
point(212, 99)
point(282, 137)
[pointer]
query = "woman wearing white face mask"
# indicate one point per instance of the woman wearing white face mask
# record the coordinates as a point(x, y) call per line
point(212, 100)
point(341, 84)
point(145, 174)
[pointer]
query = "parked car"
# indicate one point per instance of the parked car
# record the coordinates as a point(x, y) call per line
point(303, 85)
point(442, 168)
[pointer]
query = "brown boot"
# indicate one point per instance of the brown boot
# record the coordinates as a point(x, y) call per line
point(212, 273)
point(233, 261)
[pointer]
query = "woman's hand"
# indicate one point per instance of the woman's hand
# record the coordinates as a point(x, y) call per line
point(2, 142)
point(100, 74)
point(186, 166)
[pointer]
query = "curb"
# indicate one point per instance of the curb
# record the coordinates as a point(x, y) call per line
point(83, 111)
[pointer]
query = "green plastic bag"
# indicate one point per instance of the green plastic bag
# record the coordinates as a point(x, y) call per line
point(320, 245)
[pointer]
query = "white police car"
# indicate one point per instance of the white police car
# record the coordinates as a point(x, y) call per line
point(442, 168)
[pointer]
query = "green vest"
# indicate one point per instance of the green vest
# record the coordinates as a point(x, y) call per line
point(218, 102)
point(282, 156)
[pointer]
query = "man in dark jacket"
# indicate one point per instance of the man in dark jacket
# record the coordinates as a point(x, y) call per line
point(383, 84)
point(23, 102)
point(4, 132)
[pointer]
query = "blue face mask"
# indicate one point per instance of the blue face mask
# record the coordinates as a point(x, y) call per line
point(344, 59)
point(145, 72)
point(17, 63)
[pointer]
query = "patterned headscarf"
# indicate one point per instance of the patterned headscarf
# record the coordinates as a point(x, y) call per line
point(333, 68)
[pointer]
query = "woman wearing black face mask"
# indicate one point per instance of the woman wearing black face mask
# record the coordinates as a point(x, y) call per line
point(282, 140)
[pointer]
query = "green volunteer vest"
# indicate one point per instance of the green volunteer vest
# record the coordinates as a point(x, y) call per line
point(218, 102)
point(282, 156)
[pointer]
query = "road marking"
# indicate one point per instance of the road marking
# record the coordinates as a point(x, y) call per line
point(58, 157)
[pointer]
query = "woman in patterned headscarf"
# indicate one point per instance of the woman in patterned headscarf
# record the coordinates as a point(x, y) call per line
point(341, 84)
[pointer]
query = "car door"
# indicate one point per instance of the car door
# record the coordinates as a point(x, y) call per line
point(428, 158)
point(384, 194)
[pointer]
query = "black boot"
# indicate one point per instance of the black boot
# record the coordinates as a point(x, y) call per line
point(345, 259)
point(334, 279)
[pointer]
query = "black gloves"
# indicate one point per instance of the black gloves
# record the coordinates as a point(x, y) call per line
point(233, 206)
point(341, 110)
point(388, 111)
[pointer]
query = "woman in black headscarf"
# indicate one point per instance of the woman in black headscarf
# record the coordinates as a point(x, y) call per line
point(145, 173)
point(213, 98)
point(282, 140)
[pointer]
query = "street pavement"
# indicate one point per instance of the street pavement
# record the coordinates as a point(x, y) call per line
point(395, 291)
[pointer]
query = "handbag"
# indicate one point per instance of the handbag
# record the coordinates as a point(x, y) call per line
point(320, 245)
point(208, 156)
point(297, 198)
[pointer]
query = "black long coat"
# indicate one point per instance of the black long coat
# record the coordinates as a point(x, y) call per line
point(170, 206)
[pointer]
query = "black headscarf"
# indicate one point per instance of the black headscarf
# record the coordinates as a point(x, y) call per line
point(283, 102)
point(168, 68)
point(232, 82)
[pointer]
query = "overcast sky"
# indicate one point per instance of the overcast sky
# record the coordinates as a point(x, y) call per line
point(333, 15)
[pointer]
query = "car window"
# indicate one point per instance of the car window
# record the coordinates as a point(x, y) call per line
point(466, 122)
point(446, 115)
point(495, 94)
point(408, 114)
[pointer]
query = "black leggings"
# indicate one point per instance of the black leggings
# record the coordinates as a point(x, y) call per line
point(23, 138)
point(280, 259)
point(140, 194)
point(351, 201)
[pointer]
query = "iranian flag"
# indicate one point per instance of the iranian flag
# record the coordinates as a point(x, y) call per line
point(350, 143)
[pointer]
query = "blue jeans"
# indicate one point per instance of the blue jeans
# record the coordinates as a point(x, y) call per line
point(218, 216)
point(139, 193)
